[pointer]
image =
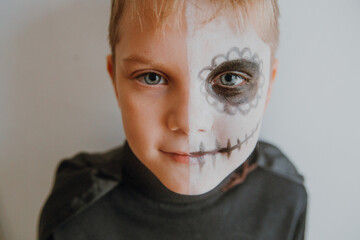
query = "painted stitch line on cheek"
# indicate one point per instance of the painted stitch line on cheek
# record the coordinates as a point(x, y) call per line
point(227, 149)
point(243, 67)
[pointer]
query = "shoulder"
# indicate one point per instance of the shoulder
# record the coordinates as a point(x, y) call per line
point(275, 192)
point(79, 181)
point(278, 179)
point(105, 163)
point(271, 159)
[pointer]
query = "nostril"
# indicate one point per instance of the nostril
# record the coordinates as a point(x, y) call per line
point(178, 125)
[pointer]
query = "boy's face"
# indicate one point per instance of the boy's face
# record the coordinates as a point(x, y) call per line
point(192, 98)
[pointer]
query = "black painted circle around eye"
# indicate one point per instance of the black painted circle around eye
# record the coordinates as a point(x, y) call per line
point(232, 88)
point(152, 78)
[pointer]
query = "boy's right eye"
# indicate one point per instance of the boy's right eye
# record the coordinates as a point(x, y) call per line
point(151, 78)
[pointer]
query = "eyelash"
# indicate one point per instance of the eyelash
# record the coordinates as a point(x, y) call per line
point(243, 76)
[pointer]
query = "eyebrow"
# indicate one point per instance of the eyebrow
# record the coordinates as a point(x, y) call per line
point(136, 59)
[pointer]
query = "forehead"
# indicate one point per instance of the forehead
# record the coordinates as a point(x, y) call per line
point(219, 36)
point(190, 30)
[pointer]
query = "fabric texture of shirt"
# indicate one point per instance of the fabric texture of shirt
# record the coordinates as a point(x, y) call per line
point(113, 195)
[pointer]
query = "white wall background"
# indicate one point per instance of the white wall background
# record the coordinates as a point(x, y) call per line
point(56, 99)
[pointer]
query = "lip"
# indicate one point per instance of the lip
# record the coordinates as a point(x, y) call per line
point(182, 158)
point(199, 154)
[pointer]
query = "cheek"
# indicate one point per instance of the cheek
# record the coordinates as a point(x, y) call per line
point(141, 116)
point(237, 127)
point(230, 127)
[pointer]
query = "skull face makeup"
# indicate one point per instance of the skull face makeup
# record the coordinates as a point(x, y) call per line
point(192, 98)
point(231, 70)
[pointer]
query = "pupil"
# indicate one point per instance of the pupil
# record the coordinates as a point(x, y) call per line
point(152, 77)
point(228, 77)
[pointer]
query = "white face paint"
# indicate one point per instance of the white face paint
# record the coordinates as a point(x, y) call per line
point(192, 100)
point(224, 116)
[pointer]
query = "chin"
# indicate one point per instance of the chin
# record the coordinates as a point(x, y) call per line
point(204, 185)
point(182, 189)
point(196, 188)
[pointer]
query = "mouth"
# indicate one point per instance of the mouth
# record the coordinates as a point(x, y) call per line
point(224, 149)
point(184, 158)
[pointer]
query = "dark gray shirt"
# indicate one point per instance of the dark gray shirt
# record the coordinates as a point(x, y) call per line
point(269, 204)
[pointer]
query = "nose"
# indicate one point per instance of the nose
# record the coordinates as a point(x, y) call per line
point(200, 117)
point(190, 112)
point(177, 120)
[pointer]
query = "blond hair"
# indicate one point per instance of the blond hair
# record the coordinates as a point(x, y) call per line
point(263, 14)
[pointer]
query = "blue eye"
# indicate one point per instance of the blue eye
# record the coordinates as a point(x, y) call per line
point(152, 78)
point(231, 79)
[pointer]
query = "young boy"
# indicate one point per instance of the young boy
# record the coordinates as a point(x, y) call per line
point(192, 80)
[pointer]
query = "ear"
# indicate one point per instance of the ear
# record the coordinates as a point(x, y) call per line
point(110, 64)
point(275, 64)
point(111, 70)
point(110, 67)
